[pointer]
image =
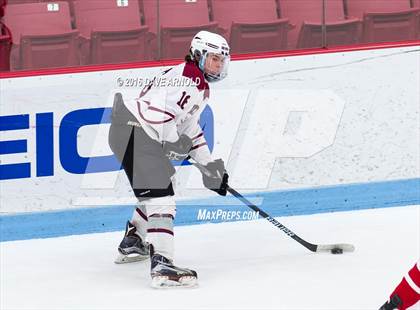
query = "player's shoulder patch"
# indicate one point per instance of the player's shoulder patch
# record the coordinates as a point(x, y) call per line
point(194, 73)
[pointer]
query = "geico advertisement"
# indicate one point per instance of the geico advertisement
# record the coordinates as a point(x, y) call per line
point(68, 150)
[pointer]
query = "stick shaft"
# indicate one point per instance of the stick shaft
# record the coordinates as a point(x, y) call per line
point(287, 231)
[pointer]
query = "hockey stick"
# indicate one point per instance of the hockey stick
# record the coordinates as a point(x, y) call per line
point(337, 248)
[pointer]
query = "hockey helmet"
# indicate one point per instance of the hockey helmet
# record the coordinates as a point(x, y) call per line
point(211, 51)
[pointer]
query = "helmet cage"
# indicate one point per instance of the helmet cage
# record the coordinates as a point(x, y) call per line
point(214, 77)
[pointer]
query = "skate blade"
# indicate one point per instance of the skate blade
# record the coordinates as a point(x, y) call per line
point(125, 259)
point(162, 282)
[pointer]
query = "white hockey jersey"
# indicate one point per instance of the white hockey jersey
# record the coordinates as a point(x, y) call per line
point(171, 105)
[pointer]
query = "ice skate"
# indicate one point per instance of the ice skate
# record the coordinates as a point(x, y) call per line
point(132, 248)
point(166, 275)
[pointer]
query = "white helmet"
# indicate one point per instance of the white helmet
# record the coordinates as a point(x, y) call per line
point(212, 53)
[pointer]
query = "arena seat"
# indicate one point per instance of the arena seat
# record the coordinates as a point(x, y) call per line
point(2, 5)
point(22, 1)
point(179, 21)
point(5, 41)
point(306, 19)
point(250, 25)
point(71, 8)
point(42, 35)
point(110, 31)
point(5, 46)
point(416, 4)
point(385, 20)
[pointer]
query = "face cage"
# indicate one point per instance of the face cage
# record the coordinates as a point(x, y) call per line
point(214, 77)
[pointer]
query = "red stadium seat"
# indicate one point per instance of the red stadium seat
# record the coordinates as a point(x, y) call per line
point(251, 25)
point(306, 19)
point(179, 21)
point(2, 5)
point(416, 4)
point(385, 20)
point(111, 31)
point(5, 46)
point(71, 7)
point(42, 35)
point(22, 1)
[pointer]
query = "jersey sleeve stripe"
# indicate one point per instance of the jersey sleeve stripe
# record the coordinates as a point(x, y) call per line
point(197, 136)
point(160, 230)
point(198, 145)
point(141, 214)
point(413, 278)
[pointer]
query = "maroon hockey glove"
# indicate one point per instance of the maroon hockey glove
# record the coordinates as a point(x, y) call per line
point(218, 179)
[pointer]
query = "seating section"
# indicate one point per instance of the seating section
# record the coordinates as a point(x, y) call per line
point(306, 23)
point(49, 41)
point(47, 34)
point(179, 21)
point(385, 20)
point(110, 31)
point(250, 25)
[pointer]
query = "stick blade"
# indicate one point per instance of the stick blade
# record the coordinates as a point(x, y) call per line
point(346, 247)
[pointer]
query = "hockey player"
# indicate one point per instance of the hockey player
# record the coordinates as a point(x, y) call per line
point(407, 293)
point(160, 125)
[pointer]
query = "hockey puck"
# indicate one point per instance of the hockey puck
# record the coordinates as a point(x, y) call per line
point(336, 251)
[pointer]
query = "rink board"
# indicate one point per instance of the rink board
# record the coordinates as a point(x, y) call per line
point(315, 132)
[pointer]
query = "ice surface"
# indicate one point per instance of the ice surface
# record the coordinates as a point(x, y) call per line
point(241, 265)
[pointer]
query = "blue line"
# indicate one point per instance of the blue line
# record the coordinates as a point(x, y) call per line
point(276, 203)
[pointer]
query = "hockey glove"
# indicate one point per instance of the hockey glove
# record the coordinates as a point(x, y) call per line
point(393, 303)
point(217, 180)
point(178, 150)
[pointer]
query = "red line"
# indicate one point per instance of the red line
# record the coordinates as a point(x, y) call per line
point(328, 50)
point(172, 62)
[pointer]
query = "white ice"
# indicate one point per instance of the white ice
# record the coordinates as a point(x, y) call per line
point(241, 265)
